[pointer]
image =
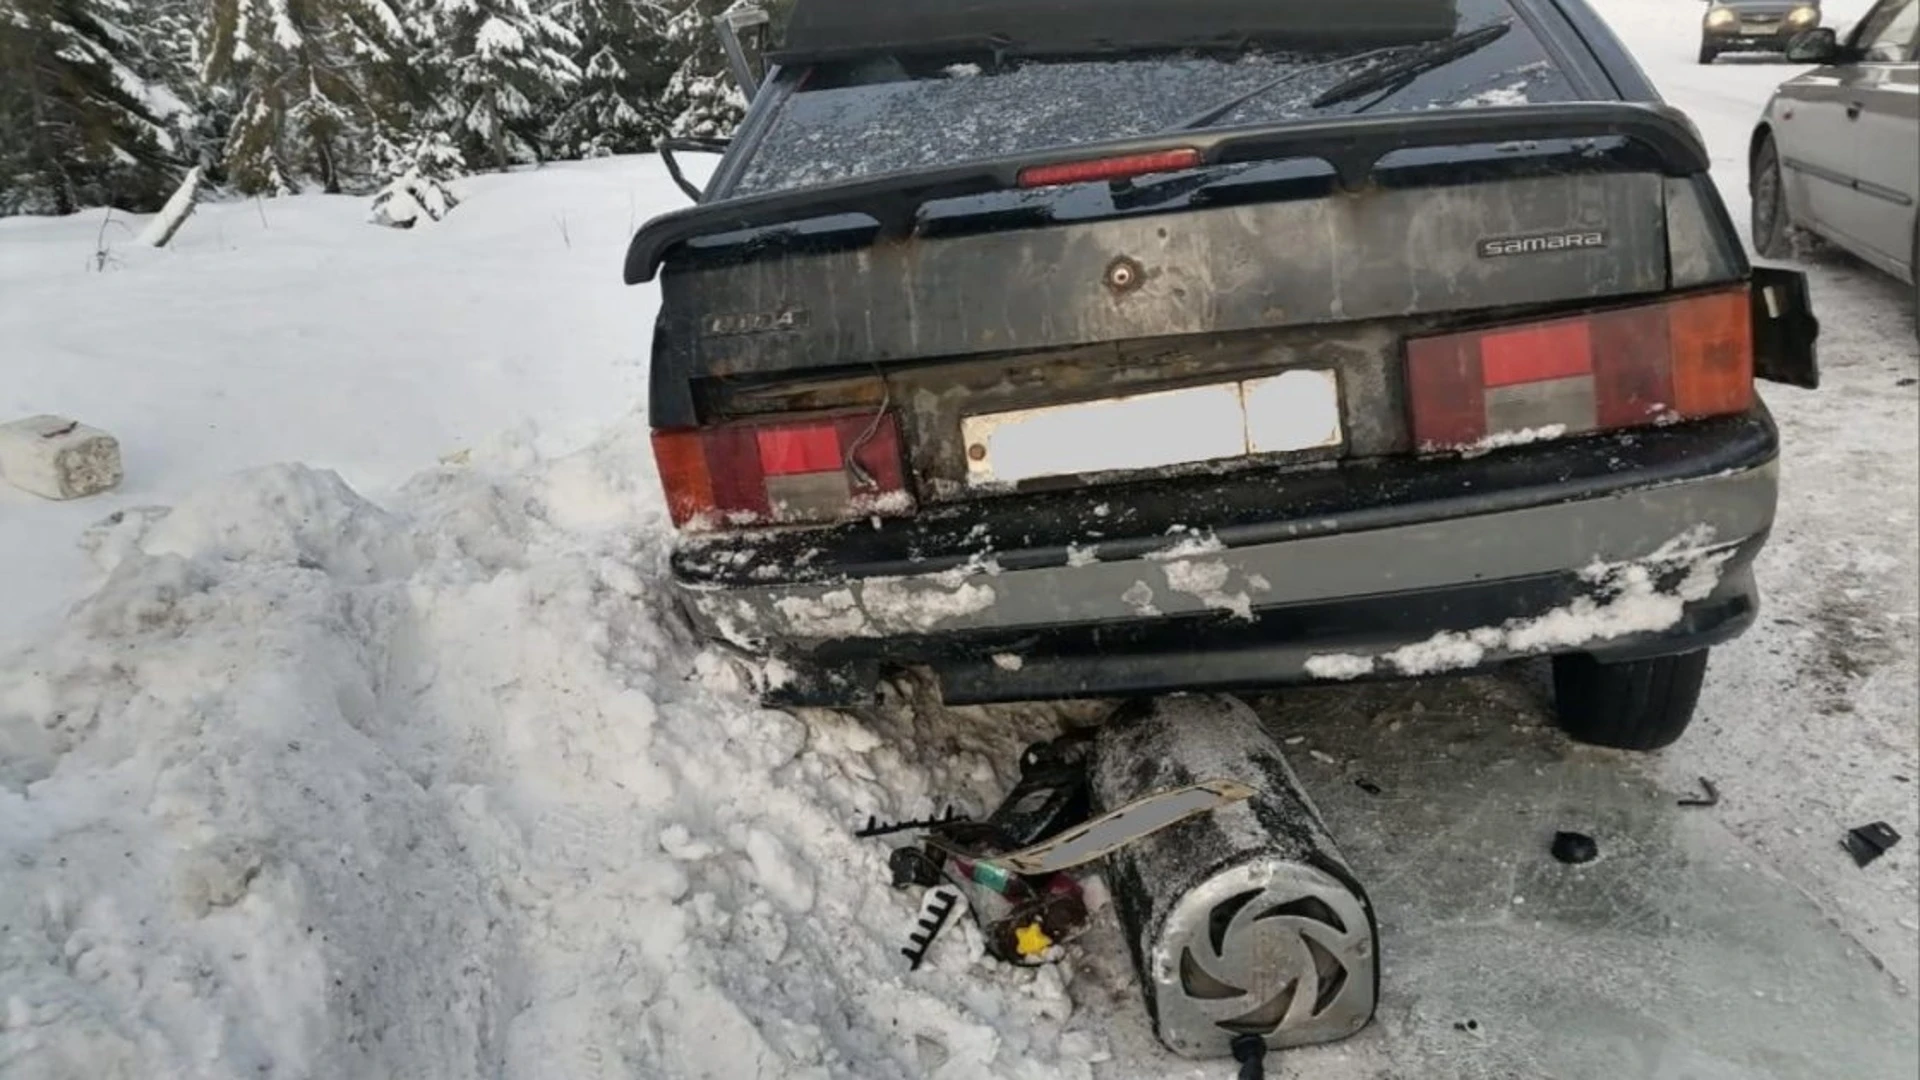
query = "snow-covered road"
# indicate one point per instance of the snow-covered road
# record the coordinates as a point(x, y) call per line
point(307, 785)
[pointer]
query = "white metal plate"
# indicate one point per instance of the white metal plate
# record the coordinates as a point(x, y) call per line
point(1286, 413)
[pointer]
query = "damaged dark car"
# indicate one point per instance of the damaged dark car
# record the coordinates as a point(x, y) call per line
point(1092, 349)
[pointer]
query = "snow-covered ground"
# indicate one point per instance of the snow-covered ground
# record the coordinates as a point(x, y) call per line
point(349, 769)
point(287, 330)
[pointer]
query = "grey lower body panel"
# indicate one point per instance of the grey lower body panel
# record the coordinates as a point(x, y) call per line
point(1654, 525)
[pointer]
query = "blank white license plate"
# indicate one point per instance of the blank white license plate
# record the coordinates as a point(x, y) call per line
point(1285, 413)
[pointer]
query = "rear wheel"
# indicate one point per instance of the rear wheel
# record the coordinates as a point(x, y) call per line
point(1772, 226)
point(1708, 53)
point(1638, 705)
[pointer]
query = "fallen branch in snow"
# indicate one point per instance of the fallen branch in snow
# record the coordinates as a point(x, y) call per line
point(175, 214)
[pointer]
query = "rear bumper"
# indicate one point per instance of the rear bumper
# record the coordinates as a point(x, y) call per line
point(1621, 546)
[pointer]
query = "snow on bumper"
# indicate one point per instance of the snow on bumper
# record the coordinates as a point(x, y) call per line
point(1625, 529)
point(1645, 596)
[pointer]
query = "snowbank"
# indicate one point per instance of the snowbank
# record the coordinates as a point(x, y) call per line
point(315, 787)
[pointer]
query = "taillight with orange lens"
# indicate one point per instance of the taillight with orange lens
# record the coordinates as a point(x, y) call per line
point(812, 471)
point(1684, 359)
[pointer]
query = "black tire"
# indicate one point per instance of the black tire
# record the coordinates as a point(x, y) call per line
point(1708, 54)
point(1772, 221)
point(1639, 705)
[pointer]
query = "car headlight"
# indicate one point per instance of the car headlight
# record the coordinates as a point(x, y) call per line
point(1721, 17)
point(1803, 16)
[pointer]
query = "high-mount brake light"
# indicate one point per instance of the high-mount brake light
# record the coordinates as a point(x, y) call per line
point(1125, 167)
point(811, 471)
point(1684, 359)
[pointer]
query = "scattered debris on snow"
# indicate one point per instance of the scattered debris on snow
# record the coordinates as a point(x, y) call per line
point(1709, 796)
point(1868, 842)
point(1574, 848)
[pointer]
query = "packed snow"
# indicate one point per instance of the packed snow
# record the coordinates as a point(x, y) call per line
point(1206, 580)
point(354, 769)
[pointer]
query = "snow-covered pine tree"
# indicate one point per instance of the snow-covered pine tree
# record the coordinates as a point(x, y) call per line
point(80, 125)
point(700, 97)
point(615, 107)
point(168, 32)
point(316, 85)
point(498, 67)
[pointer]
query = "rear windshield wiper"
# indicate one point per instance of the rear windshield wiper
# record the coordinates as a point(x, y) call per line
point(1219, 109)
point(1398, 73)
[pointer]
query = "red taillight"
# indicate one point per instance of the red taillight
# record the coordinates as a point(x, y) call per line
point(1681, 360)
point(1113, 168)
point(786, 472)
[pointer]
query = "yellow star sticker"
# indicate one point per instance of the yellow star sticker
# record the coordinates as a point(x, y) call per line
point(1030, 940)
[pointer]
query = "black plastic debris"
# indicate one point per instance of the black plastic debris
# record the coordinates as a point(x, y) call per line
point(1472, 1026)
point(1367, 786)
point(875, 827)
point(934, 913)
point(1575, 848)
point(913, 866)
point(1869, 842)
point(1710, 798)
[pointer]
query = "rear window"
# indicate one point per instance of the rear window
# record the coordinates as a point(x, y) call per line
point(846, 120)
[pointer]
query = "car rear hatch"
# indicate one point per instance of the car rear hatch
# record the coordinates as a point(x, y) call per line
point(1280, 295)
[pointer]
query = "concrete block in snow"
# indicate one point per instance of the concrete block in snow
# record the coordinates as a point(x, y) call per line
point(58, 458)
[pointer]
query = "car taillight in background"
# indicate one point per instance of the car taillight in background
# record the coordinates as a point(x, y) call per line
point(1685, 359)
point(813, 471)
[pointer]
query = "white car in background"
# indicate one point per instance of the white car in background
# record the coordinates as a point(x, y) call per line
point(1837, 152)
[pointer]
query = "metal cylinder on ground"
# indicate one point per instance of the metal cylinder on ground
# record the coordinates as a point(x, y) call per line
point(1244, 920)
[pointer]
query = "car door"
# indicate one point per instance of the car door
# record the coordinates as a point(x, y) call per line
point(1816, 147)
point(1882, 91)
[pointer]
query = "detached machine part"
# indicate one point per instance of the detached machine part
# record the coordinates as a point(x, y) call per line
point(1243, 922)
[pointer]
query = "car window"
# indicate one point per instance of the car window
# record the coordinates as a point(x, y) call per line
point(842, 121)
point(1887, 33)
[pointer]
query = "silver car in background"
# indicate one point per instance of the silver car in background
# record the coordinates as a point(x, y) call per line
point(1837, 152)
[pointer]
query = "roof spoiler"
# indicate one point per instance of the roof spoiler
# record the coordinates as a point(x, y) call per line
point(1353, 146)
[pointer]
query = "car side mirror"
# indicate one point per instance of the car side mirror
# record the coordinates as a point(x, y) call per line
point(1819, 46)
